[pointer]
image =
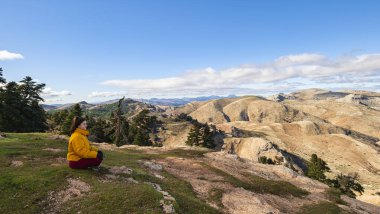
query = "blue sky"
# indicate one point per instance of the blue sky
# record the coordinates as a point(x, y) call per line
point(100, 50)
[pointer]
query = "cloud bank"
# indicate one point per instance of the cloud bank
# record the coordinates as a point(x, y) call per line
point(51, 96)
point(280, 74)
point(48, 93)
point(6, 55)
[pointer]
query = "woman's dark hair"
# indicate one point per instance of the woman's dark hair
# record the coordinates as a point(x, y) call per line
point(75, 123)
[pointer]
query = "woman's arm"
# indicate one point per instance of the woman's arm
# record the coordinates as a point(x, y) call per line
point(82, 150)
point(93, 148)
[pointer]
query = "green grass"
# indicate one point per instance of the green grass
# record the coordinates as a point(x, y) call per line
point(261, 185)
point(333, 195)
point(186, 200)
point(215, 196)
point(321, 207)
point(25, 189)
point(117, 197)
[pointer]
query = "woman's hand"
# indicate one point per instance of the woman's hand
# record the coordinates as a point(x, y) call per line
point(100, 155)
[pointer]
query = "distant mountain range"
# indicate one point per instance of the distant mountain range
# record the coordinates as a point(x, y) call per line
point(153, 101)
point(180, 101)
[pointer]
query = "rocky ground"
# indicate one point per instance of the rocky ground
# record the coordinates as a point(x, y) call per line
point(340, 127)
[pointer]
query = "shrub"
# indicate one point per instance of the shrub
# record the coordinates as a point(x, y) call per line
point(265, 160)
point(316, 168)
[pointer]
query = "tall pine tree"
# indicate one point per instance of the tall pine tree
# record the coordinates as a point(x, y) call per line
point(2, 80)
point(207, 137)
point(34, 114)
point(142, 126)
point(11, 115)
point(120, 132)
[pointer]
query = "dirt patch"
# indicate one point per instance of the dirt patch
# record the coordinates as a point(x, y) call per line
point(153, 166)
point(59, 137)
point(2, 135)
point(53, 150)
point(16, 163)
point(251, 203)
point(116, 173)
point(105, 146)
point(120, 170)
point(59, 161)
point(75, 189)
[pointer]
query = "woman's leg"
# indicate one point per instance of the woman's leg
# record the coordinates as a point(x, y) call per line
point(85, 163)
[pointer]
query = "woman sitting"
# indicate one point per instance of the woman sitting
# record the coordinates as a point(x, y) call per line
point(81, 154)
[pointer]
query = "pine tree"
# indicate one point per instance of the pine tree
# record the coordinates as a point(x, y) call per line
point(34, 114)
point(317, 168)
point(58, 118)
point(141, 139)
point(19, 102)
point(207, 137)
point(348, 184)
point(142, 126)
point(2, 80)
point(75, 111)
point(194, 137)
point(99, 130)
point(120, 132)
point(38, 118)
point(11, 117)
point(30, 90)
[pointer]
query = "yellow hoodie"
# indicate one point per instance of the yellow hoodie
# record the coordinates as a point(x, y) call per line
point(79, 146)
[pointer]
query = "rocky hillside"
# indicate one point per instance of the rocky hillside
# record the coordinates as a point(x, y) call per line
point(293, 127)
point(129, 106)
point(35, 178)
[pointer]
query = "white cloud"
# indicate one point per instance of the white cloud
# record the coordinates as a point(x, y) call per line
point(6, 55)
point(107, 94)
point(48, 92)
point(304, 58)
point(316, 68)
point(51, 101)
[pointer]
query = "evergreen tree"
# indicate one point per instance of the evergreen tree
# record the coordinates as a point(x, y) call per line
point(59, 117)
point(37, 118)
point(99, 130)
point(19, 108)
point(142, 126)
point(2, 80)
point(265, 160)
point(75, 111)
point(201, 135)
point(316, 168)
point(34, 114)
point(347, 184)
point(120, 132)
point(11, 117)
point(142, 120)
point(194, 138)
point(207, 137)
point(30, 90)
point(142, 139)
